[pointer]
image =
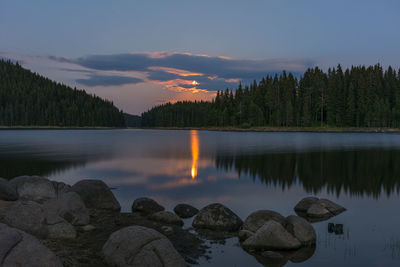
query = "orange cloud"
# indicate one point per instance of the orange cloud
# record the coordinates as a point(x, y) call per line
point(180, 72)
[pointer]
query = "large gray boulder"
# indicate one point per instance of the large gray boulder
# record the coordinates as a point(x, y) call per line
point(271, 236)
point(258, 218)
point(57, 227)
point(33, 187)
point(301, 229)
point(7, 191)
point(166, 217)
point(31, 217)
point(28, 216)
point(185, 210)
point(315, 208)
point(19, 249)
point(146, 206)
point(217, 217)
point(96, 195)
point(69, 206)
point(140, 246)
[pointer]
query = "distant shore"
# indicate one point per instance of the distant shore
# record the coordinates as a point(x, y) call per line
point(281, 129)
point(222, 129)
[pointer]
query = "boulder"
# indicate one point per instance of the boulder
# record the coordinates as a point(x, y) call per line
point(61, 188)
point(33, 187)
point(140, 246)
point(314, 208)
point(166, 217)
point(301, 229)
point(96, 195)
point(7, 191)
point(185, 210)
point(244, 234)
point(271, 236)
point(18, 248)
point(217, 217)
point(28, 216)
point(146, 206)
point(57, 227)
point(69, 206)
point(305, 204)
point(31, 217)
point(258, 218)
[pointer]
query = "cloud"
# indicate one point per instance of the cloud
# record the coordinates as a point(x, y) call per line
point(108, 80)
point(183, 71)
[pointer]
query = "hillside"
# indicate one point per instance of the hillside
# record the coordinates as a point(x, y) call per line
point(28, 99)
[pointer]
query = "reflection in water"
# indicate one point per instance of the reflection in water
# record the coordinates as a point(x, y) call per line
point(361, 172)
point(194, 140)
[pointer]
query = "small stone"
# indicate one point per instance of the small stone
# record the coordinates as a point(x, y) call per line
point(146, 206)
point(185, 210)
point(217, 217)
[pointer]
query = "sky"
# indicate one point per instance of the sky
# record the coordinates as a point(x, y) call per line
point(143, 53)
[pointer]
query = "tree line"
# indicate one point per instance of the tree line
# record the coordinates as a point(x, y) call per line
point(356, 97)
point(28, 99)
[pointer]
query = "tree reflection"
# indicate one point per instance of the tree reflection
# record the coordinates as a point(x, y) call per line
point(360, 172)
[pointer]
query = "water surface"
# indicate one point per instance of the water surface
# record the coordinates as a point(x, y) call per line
point(244, 171)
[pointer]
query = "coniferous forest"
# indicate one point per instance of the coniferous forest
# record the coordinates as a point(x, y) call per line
point(28, 99)
point(356, 97)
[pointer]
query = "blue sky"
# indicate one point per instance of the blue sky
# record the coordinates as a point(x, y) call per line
point(150, 52)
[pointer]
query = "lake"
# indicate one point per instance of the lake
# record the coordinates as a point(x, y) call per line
point(246, 171)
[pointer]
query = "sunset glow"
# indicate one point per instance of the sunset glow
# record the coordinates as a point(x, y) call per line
point(194, 140)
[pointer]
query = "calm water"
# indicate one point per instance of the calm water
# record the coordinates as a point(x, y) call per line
point(244, 171)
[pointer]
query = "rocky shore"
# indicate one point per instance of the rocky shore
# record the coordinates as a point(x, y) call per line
point(48, 223)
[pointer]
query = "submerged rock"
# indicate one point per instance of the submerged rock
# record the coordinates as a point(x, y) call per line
point(185, 210)
point(258, 218)
point(146, 206)
point(272, 235)
point(314, 208)
point(33, 187)
point(140, 246)
point(18, 248)
point(7, 191)
point(269, 230)
point(301, 229)
point(96, 195)
point(217, 217)
point(166, 217)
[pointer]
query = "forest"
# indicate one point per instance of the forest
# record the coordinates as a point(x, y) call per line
point(355, 97)
point(28, 99)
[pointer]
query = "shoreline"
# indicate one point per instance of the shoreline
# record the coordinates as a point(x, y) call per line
point(280, 129)
point(220, 129)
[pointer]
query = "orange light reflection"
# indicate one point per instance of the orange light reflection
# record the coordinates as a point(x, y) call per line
point(194, 138)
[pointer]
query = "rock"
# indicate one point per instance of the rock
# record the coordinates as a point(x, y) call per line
point(167, 229)
point(258, 218)
point(315, 208)
point(28, 216)
point(244, 234)
point(33, 187)
point(61, 188)
point(305, 204)
point(302, 254)
point(96, 195)
point(332, 207)
point(185, 210)
point(301, 229)
point(7, 191)
point(166, 217)
point(69, 206)
point(146, 206)
point(271, 236)
point(88, 228)
point(331, 228)
point(339, 229)
point(57, 227)
point(31, 217)
point(18, 248)
point(4, 206)
point(140, 246)
point(217, 217)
